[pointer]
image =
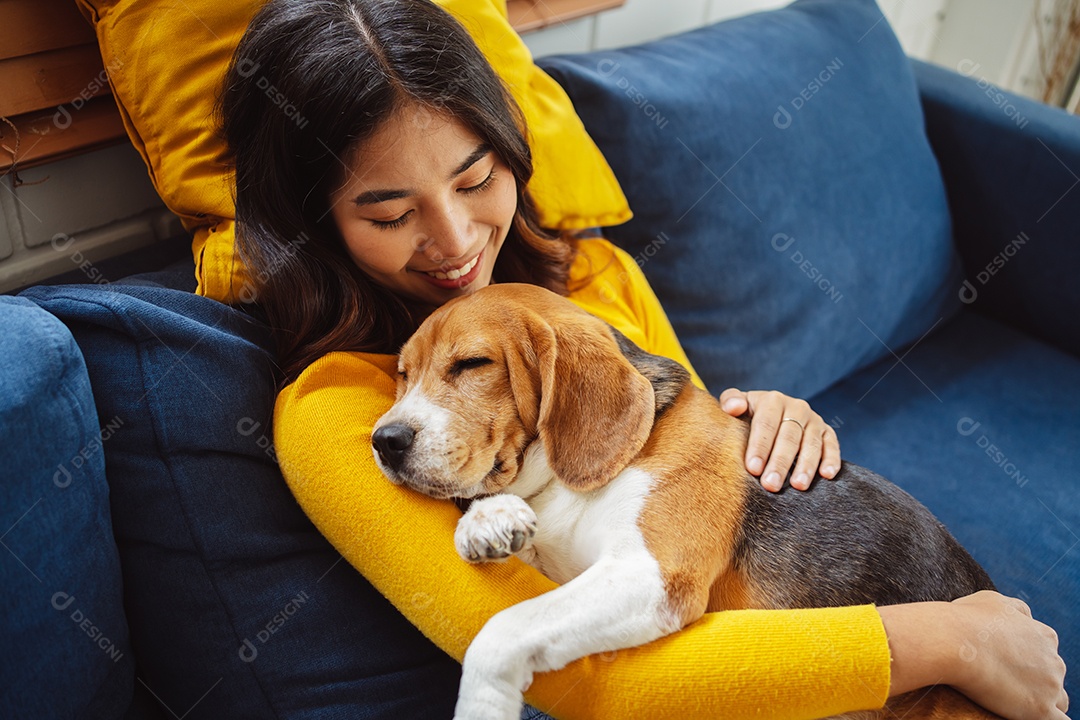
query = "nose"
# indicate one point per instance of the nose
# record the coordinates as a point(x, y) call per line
point(450, 230)
point(391, 442)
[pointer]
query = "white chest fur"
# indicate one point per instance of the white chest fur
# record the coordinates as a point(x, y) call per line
point(575, 529)
point(611, 593)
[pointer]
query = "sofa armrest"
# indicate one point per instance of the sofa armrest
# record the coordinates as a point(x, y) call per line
point(1011, 168)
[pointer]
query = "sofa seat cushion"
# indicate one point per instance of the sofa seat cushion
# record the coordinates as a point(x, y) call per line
point(787, 204)
point(979, 422)
point(238, 607)
point(64, 639)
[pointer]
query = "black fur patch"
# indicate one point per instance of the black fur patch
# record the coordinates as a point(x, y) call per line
point(856, 539)
point(668, 377)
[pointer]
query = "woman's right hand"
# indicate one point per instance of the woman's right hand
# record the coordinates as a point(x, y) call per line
point(985, 645)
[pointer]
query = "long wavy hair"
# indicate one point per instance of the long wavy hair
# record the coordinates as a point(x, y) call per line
point(309, 82)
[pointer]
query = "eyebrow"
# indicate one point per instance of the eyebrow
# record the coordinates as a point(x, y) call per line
point(373, 197)
point(481, 150)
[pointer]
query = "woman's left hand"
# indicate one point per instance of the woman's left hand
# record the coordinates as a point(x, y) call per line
point(782, 428)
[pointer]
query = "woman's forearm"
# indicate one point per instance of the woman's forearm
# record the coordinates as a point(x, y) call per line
point(920, 644)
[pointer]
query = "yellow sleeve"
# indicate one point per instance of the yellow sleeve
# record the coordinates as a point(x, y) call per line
point(742, 664)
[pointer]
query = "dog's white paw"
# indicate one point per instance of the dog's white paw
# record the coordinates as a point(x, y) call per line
point(494, 528)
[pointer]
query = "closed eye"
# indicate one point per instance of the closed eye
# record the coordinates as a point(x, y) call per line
point(392, 224)
point(481, 186)
point(468, 364)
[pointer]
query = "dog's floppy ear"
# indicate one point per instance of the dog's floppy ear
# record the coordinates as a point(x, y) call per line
point(596, 409)
point(523, 352)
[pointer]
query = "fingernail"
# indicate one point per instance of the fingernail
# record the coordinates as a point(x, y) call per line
point(730, 405)
point(772, 481)
point(828, 471)
point(755, 465)
point(801, 481)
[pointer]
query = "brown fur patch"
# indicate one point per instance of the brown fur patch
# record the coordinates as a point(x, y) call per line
point(939, 702)
point(596, 410)
point(693, 516)
point(729, 592)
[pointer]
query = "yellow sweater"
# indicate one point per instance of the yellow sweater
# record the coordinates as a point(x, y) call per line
point(739, 664)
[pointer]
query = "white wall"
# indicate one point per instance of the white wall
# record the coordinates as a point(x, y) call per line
point(917, 23)
point(996, 36)
point(73, 213)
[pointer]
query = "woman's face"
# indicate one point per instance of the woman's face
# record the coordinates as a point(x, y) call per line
point(425, 207)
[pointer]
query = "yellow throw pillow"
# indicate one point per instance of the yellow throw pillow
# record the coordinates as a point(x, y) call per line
point(166, 62)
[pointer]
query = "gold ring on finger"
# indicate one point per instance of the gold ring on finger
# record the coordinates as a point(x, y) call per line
point(794, 421)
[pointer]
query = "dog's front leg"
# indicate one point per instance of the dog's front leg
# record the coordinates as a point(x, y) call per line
point(616, 603)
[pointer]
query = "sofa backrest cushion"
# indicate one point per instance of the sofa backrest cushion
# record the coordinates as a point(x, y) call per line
point(788, 209)
point(238, 606)
point(64, 639)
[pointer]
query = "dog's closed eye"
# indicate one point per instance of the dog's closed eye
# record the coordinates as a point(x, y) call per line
point(469, 363)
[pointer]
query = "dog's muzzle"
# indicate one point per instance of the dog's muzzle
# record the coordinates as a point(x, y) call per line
point(392, 442)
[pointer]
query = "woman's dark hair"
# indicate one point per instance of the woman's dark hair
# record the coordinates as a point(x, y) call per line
point(309, 81)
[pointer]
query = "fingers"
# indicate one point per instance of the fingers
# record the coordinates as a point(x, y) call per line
point(783, 429)
point(1018, 604)
point(789, 442)
point(830, 454)
point(809, 457)
point(775, 441)
point(734, 402)
point(1062, 703)
point(994, 600)
point(766, 415)
point(1022, 606)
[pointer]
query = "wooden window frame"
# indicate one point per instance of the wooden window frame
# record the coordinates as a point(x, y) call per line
point(54, 91)
point(529, 15)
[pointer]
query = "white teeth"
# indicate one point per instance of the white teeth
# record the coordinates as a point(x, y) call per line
point(455, 274)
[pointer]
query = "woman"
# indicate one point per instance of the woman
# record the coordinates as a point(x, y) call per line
point(404, 187)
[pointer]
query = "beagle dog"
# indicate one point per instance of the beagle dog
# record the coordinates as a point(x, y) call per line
point(606, 469)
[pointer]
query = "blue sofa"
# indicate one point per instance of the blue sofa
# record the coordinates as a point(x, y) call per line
point(894, 241)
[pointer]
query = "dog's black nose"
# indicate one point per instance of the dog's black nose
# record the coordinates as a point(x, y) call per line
point(392, 441)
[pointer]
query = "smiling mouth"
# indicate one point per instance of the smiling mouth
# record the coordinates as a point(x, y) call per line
point(456, 278)
point(454, 273)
